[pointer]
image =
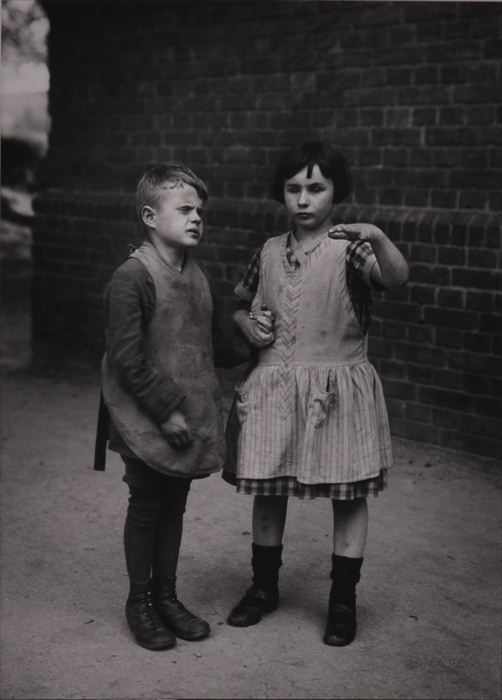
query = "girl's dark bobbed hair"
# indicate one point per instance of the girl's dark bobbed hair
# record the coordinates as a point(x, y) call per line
point(331, 162)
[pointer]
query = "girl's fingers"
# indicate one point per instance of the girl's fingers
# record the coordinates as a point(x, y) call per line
point(349, 236)
point(266, 326)
point(264, 337)
point(345, 233)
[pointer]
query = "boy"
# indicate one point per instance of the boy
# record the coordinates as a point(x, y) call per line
point(162, 395)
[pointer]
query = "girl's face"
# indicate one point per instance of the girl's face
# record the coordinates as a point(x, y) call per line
point(309, 200)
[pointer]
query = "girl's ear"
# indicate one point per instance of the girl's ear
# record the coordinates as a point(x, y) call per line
point(148, 216)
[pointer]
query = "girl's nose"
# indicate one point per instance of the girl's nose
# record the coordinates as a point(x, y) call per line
point(303, 198)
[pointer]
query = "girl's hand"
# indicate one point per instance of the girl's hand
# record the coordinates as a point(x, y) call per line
point(356, 232)
point(258, 327)
point(177, 431)
point(391, 269)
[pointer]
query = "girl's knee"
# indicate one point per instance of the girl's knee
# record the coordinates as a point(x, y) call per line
point(349, 501)
point(270, 504)
point(348, 506)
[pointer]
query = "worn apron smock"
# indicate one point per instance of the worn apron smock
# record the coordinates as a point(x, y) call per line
point(313, 409)
point(178, 343)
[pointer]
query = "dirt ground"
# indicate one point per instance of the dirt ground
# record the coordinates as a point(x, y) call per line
point(429, 598)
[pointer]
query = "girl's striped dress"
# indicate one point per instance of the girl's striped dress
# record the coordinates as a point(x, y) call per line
point(312, 419)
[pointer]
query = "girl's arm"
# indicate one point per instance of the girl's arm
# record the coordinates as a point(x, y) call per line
point(257, 328)
point(391, 269)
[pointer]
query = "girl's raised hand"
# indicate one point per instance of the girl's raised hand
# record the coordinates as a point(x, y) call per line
point(355, 232)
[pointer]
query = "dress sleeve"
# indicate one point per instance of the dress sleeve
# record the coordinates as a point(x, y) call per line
point(129, 306)
point(361, 258)
point(247, 287)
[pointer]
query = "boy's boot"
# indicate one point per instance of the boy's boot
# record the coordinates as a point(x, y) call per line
point(341, 623)
point(145, 623)
point(263, 596)
point(181, 621)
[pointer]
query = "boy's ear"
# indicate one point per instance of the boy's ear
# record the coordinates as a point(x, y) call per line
point(148, 216)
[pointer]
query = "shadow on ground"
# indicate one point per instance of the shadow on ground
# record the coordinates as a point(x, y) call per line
point(429, 597)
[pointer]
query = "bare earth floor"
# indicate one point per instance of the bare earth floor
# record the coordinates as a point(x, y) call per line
point(429, 599)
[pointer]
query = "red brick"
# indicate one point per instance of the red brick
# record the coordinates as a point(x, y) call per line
point(480, 301)
point(451, 255)
point(451, 298)
point(478, 257)
point(423, 253)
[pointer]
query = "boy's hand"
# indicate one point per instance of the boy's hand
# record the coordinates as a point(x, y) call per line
point(177, 432)
point(356, 232)
point(259, 328)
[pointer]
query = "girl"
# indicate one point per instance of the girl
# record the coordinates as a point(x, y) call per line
point(311, 414)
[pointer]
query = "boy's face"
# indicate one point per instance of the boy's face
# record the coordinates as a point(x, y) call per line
point(308, 197)
point(176, 219)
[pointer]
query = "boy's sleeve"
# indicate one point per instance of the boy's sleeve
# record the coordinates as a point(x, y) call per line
point(230, 347)
point(129, 305)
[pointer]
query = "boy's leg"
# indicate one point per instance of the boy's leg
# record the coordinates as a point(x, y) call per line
point(350, 528)
point(139, 542)
point(167, 547)
point(269, 518)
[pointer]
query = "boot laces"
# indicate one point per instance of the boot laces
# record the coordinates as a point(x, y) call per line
point(149, 613)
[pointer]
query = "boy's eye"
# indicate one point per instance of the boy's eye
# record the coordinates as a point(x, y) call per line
point(316, 188)
point(186, 210)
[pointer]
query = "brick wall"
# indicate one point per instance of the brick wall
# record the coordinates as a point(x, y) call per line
point(410, 92)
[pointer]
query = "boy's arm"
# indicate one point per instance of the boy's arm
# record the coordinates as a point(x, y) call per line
point(230, 348)
point(129, 305)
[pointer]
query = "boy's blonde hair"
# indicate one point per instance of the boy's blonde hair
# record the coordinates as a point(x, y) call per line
point(155, 178)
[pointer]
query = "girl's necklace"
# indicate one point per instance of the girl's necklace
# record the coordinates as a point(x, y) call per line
point(307, 245)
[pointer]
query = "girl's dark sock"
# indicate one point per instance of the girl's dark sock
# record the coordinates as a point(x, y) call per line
point(266, 562)
point(345, 574)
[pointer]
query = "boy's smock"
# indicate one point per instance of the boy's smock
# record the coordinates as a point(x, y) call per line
point(177, 346)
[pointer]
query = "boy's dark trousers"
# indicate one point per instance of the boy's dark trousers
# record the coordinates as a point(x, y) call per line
point(152, 538)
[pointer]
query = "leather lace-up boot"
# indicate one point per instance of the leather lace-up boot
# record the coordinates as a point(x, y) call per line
point(175, 615)
point(145, 623)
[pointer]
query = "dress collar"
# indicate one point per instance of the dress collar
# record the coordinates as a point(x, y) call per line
point(294, 251)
